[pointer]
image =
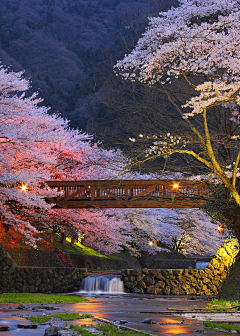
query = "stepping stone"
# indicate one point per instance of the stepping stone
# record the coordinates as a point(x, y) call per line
point(27, 326)
point(4, 328)
point(21, 306)
point(147, 320)
point(123, 321)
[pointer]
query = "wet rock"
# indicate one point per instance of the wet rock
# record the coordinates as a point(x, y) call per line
point(27, 326)
point(137, 290)
point(68, 332)
point(52, 331)
point(123, 321)
point(59, 324)
point(200, 331)
point(42, 307)
point(147, 320)
point(21, 306)
point(4, 328)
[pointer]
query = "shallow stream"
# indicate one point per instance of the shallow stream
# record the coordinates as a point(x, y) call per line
point(132, 308)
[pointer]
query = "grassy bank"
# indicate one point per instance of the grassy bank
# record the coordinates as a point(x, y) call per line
point(42, 319)
point(221, 305)
point(39, 298)
point(209, 325)
point(107, 330)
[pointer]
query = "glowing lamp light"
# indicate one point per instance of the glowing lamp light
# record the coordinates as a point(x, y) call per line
point(23, 187)
point(175, 186)
point(220, 228)
point(150, 243)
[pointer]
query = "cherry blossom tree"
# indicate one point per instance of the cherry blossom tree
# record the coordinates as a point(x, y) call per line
point(197, 42)
point(36, 147)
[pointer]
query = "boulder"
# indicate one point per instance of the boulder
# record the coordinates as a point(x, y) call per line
point(21, 306)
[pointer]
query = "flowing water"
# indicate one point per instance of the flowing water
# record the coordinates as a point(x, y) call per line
point(129, 307)
point(201, 265)
point(102, 284)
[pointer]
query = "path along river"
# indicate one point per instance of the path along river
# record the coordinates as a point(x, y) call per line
point(133, 308)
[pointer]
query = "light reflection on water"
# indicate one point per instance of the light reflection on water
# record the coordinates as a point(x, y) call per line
point(133, 308)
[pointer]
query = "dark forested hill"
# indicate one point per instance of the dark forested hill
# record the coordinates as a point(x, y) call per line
point(61, 43)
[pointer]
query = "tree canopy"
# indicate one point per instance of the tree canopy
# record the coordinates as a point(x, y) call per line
point(198, 43)
point(36, 147)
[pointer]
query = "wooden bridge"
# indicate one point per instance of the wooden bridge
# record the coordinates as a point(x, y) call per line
point(129, 194)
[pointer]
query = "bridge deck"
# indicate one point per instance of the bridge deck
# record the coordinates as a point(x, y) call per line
point(129, 194)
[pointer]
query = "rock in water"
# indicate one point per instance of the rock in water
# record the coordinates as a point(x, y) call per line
point(65, 332)
point(147, 320)
point(52, 331)
point(27, 326)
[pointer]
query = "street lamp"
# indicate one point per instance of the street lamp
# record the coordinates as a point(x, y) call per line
point(23, 187)
point(220, 228)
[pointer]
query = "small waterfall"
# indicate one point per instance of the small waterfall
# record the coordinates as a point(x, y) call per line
point(102, 284)
point(201, 265)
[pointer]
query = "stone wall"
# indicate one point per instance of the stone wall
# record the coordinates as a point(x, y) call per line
point(37, 279)
point(35, 258)
point(183, 282)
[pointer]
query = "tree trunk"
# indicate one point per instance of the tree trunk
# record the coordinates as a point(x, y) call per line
point(63, 237)
point(52, 237)
point(73, 239)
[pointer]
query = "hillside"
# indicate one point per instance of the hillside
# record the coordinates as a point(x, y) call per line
point(60, 46)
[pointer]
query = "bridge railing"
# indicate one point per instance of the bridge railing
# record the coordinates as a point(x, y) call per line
point(128, 193)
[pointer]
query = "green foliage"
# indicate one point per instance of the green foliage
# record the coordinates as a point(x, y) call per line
point(41, 319)
point(38, 298)
point(221, 326)
point(108, 330)
point(49, 17)
point(73, 97)
point(222, 207)
point(60, 93)
point(81, 330)
point(84, 54)
point(81, 9)
point(78, 247)
point(221, 305)
point(87, 29)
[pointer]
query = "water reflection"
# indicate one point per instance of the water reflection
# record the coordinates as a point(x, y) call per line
point(133, 308)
